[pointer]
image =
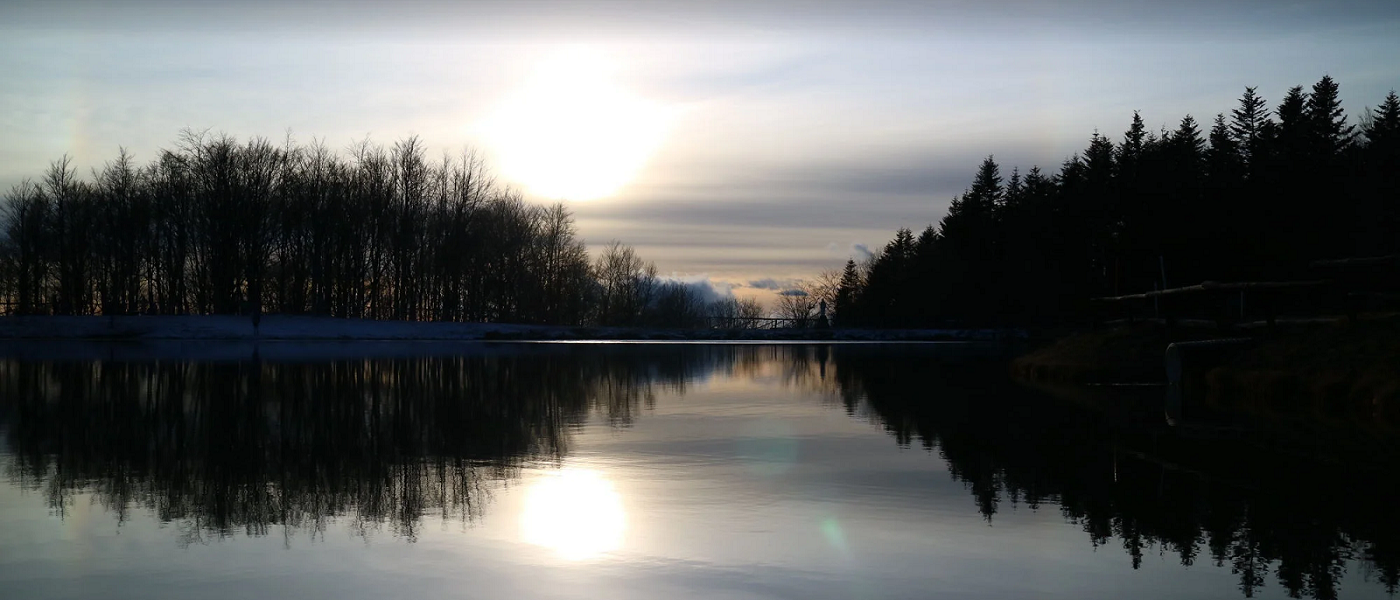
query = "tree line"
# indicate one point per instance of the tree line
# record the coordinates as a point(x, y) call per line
point(215, 226)
point(1256, 194)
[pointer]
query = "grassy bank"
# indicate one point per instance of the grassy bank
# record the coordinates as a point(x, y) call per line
point(1331, 373)
point(1335, 373)
point(1129, 353)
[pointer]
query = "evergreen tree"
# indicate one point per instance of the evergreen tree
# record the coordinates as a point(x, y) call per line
point(1224, 158)
point(986, 192)
point(1328, 140)
point(969, 234)
point(1098, 209)
point(1038, 187)
point(1293, 126)
point(1185, 156)
point(1247, 123)
point(1381, 171)
point(1224, 199)
point(1133, 141)
point(1015, 192)
point(1016, 233)
point(1137, 202)
point(1186, 140)
point(1383, 130)
point(888, 298)
point(846, 312)
point(927, 244)
point(900, 250)
point(1329, 132)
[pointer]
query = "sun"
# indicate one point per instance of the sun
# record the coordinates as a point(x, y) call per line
point(575, 512)
point(572, 132)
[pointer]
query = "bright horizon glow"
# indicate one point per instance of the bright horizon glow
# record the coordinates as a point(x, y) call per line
point(575, 512)
point(571, 132)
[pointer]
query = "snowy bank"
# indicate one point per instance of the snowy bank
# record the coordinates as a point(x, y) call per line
point(289, 338)
point(308, 328)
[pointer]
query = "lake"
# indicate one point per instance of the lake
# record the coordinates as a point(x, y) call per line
point(641, 471)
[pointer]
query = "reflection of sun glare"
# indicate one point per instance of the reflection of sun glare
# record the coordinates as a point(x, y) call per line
point(572, 133)
point(577, 513)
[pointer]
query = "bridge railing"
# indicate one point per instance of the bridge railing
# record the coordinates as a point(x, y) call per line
point(759, 323)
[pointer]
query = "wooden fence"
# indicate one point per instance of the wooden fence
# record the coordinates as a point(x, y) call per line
point(1342, 287)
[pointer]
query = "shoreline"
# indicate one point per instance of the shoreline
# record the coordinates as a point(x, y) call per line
point(283, 328)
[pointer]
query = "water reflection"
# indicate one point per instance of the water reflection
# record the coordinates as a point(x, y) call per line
point(242, 446)
point(1233, 502)
point(224, 447)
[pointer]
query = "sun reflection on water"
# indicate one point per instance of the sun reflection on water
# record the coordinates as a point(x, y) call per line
point(575, 512)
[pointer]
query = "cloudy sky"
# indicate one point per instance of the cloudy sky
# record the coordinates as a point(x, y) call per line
point(741, 141)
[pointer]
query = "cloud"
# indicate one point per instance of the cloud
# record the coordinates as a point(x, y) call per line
point(708, 289)
point(854, 250)
point(792, 292)
point(767, 283)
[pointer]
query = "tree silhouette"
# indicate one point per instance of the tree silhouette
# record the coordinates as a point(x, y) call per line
point(846, 307)
point(215, 226)
point(1237, 202)
point(1249, 123)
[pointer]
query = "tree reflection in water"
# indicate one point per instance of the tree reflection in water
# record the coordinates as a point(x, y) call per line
point(1232, 502)
point(227, 446)
point(220, 447)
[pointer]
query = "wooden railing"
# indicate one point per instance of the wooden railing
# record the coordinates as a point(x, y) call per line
point(1342, 287)
point(1224, 303)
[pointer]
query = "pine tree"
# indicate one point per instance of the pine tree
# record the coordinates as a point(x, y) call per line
point(1098, 159)
point(986, 192)
point(1284, 173)
point(1014, 196)
point(846, 312)
point(926, 244)
point(1293, 125)
point(1133, 140)
point(1329, 132)
point(1247, 124)
point(1382, 178)
point(1224, 157)
point(1037, 184)
point(1383, 130)
point(900, 250)
point(1187, 138)
point(1181, 204)
point(1225, 198)
point(888, 294)
point(1327, 138)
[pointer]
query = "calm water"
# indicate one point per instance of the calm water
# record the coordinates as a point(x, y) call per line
point(637, 471)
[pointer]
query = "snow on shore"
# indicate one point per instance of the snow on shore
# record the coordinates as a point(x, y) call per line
point(309, 328)
point(297, 338)
point(273, 327)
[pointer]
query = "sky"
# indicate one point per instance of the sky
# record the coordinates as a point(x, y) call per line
point(744, 145)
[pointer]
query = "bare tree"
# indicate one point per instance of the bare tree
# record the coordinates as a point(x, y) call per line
point(626, 284)
point(218, 226)
point(733, 313)
point(26, 231)
point(677, 305)
point(798, 305)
